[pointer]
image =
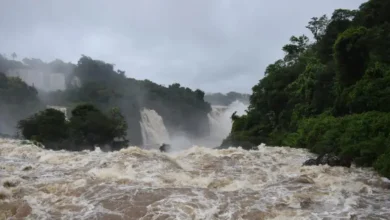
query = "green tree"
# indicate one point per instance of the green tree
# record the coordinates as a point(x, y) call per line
point(119, 124)
point(89, 126)
point(47, 126)
point(297, 46)
point(317, 26)
point(351, 55)
point(17, 101)
point(331, 95)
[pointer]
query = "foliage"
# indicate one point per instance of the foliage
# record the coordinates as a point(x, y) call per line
point(17, 101)
point(96, 82)
point(351, 55)
point(46, 126)
point(330, 95)
point(364, 136)
point(87, 127)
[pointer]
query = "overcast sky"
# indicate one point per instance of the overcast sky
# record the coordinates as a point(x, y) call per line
point(215, 45)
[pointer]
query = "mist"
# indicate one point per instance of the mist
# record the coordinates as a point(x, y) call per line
point(220, 124)
point(216, 46)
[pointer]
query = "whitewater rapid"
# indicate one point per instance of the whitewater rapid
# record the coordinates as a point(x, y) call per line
point(198, 183)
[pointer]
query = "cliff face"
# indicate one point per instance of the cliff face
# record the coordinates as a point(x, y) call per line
point(46, 81)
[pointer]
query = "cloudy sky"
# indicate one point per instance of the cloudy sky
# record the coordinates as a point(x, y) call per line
point(215, 45)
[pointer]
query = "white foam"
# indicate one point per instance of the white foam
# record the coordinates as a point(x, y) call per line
point(197, 183)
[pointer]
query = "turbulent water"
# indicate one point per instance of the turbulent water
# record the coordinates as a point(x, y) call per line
point(197, 183)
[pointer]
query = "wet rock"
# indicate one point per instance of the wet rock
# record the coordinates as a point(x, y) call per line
point(165, 147)
point(27, 168)
point(310, 162)
point(323, 159)
point(11, 182)
point(329, 159)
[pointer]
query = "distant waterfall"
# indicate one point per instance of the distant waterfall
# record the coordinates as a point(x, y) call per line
point(46, 81)
point(153, 130)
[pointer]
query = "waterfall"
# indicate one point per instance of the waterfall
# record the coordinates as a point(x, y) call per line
point(220, 121)
point(153, 130)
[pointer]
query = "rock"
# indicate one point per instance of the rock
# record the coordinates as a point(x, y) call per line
point(10, 182)
point(27, 168)
point(329, 159)
point(164, 147)
point(323, 159)
point(310, 162)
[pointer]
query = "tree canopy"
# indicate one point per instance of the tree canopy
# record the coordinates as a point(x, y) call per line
point(330, 95)
point(17, 101)
point(87, 128)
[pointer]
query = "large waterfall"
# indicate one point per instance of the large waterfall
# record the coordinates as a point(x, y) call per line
point(154, 132)
point(220, 121)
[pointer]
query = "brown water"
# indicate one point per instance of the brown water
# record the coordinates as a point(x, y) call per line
point(198, 183)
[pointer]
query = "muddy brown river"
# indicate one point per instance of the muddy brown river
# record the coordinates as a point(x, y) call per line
point(197, 183)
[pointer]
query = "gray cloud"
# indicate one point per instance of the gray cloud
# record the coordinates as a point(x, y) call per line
point(215, 45)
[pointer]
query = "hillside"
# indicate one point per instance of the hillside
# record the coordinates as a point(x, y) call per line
point(96, 82)
point(330, 95)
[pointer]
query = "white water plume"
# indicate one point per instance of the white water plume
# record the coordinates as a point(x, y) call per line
point(221, 122)
point(197, 183)
point(154, 132)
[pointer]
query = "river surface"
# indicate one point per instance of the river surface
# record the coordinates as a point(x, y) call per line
point(197, 183)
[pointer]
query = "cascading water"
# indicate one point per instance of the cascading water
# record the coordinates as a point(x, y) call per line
point(197, 183)
point(154, 132)
point(221, 123)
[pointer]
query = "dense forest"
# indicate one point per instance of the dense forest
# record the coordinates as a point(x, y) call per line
point(87, 127)
point(98, 83)
point(331, 95)
point(226, 99)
